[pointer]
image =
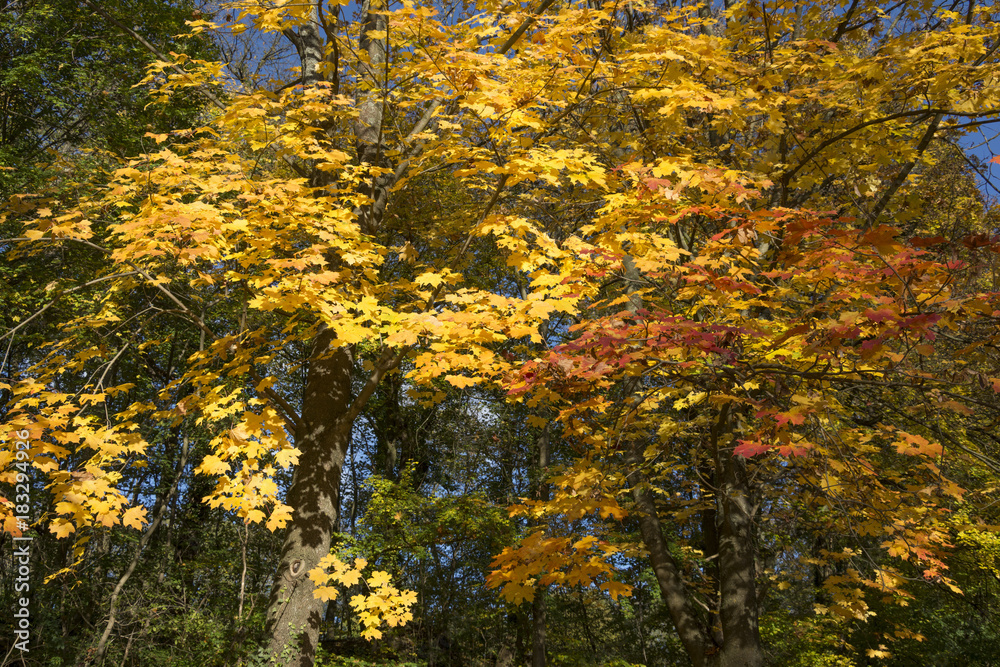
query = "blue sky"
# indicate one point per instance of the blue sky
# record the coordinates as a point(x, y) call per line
point(984, 143)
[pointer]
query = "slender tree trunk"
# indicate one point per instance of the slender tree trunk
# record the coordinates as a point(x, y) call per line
point(710, 543)
point(294, 615)
point(585, 617)
point(244, 538)
point(538, 604)
point(668, 577)
point(158, 512)
point(640, 626)
point(323, 433)
point(693, 634)
point(538, 613)
point(736, 642)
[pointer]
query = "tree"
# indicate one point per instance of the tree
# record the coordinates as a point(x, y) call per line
point(66, 84)
point(628, 227)
point(742, 331)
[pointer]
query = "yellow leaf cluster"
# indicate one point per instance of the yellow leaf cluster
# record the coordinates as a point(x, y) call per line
point(384, 604)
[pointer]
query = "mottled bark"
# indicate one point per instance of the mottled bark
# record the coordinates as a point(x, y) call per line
point(309, 45)
point(368, 128)
point(294, 615)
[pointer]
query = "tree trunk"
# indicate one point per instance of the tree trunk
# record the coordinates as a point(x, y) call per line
point(710, 543)
point(368, 129)
point(538, 623)
point(294, 615)
point(741, 645)
point(538, 604)
point(693, 634)
point(668, 577)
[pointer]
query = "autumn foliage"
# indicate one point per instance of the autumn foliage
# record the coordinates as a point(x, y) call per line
point(695, 244)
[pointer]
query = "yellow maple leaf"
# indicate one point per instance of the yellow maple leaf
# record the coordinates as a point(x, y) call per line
point(461, 381)
point(61, 528)
point(432, 279)
point(280, 515)
point(516, 593)
point(253, 516)
point(212, 465)
point(325, 593)
point(402, 337)
point(348, 577)
point(379, 579)
point(616, 589)
point(287, 457)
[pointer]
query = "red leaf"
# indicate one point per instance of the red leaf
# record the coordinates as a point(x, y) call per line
point(925, 241)
point(748, 448)
point(793, 450)
point(880, 314)
point(977, 241)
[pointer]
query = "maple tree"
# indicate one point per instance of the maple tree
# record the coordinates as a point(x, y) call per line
point(746, 330)
point(693, 240)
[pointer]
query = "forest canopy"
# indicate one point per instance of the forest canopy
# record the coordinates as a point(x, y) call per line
point(499, 333)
